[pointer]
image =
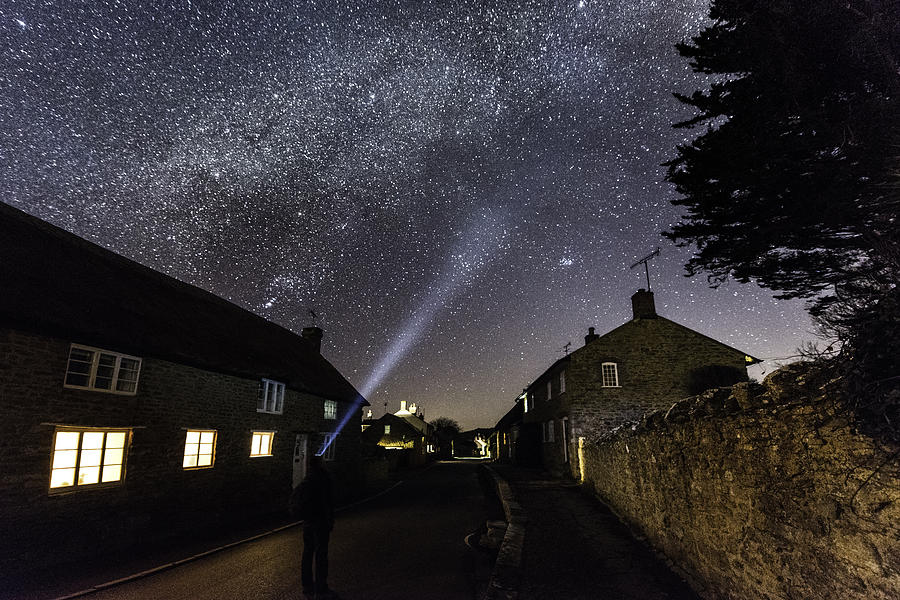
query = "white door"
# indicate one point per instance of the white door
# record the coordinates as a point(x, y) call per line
point(300, 461)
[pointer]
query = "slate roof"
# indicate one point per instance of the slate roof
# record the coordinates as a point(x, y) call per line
point(57, 284)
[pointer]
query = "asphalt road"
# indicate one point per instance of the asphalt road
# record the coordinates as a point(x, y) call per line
point(409, 542)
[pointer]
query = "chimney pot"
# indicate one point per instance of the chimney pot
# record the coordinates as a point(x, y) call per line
point(314, 336)
point(403, 405)
point(642, 305)
point(590, 337)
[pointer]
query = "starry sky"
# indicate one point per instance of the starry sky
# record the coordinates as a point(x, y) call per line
point(456, 188)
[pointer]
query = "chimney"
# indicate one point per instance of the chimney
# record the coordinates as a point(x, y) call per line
point(590, 337)
point(642, 305)
point(403, 406)
point(314, 336)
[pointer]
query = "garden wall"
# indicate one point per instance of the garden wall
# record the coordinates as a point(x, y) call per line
point(758, 492)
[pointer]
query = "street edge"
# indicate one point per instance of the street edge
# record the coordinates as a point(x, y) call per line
point(135, 576)
point(507, 573)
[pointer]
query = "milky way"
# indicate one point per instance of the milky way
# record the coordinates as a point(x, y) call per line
point(455, 189)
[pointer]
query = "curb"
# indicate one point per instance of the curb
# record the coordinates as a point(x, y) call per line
point(507, 573)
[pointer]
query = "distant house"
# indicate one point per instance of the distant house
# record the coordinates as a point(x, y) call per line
point(135, 406)
point(404, 432)
point(646, 364)
point(504, 440)
point(474, 443)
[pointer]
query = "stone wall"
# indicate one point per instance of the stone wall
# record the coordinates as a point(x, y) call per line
point(758, 492)
point(156, 497)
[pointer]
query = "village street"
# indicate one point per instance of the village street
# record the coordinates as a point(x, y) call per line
point(409, 542)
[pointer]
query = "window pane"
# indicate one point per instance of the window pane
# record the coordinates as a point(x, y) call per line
point(254, 447)
point(113, 457)
point(79, 380)
point(191, 449)
point(90, 458)
point(81, 355)
point(265, 444)
point(206, 449)
point(62, 478)
point(193, 437)
point(92, 440)
point(115, 439)
point(189, 461)
point(112, 473)
point(207, 437)
point(126, 386)
point(204, 461)
point(128, 365)
point(279, 403)
point(63, 459)
point(67, 440)
point(88, 475)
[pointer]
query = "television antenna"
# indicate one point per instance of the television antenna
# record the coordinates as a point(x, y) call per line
point(566, 348)
point(644, 262)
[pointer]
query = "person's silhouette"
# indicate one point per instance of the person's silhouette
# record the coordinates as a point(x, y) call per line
point(312, 502)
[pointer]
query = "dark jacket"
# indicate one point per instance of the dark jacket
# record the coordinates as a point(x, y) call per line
point(313, 500)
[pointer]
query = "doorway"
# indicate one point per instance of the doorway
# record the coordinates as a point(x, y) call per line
point(301, 444)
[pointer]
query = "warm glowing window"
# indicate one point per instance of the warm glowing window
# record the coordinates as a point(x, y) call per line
point(387, 430)
point(327, 449)
point(95, 369)
point(610, 374)
point(199, 449)
point(87, 457)
point(526, 405)
point(562, 382)
point(261, 445)
point(271, 397)
point(330, 409)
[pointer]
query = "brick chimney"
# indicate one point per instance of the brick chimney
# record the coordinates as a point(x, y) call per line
point(314, 336)
point(642, 305)
point(590, 337)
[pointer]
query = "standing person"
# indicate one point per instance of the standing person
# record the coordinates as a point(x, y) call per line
point(313, 503)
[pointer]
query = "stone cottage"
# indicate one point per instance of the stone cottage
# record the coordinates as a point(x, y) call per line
point(404, 433)
point(644, 365)
point(135, 406)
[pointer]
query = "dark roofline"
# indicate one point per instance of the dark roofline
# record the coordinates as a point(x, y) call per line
point(66, 287)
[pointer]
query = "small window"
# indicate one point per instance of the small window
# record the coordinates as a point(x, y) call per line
point(199, 449)
point(526, 405)
point(271, 397)
point(327, 449)
point(261, 445)
point(562, 382)
point(101, 370)
point(330, 409)
point(387, 430)
point(550, 431)
point(549, 389)
point(610, 374)
point(83, 457)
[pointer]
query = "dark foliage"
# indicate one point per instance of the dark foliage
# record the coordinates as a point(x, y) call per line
point(794, 183)
point(714, 376)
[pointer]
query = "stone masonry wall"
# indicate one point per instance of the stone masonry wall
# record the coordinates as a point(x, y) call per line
point(758, 492)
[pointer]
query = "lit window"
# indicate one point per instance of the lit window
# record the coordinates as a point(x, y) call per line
point(562, 382)
point(610, 374)
point(95, 369)
point(87, 456)
point(549, 389)
point(271, 397)
point(327, 449)
point(261, 445)
point(526, 406)
point(387, 430)
point(199, 449)
point(330, 409)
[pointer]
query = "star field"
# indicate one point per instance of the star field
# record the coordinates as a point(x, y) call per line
point(456, 189)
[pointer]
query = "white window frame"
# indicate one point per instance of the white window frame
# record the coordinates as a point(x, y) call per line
point(94, 366)
point(329, 440)
point(196, 449)
point(562, 382)
point(330, 407)
point(271, 397)
point(109, 458)
point(256, 449)
point(613, 380)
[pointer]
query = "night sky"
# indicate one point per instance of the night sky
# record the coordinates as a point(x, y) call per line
point(456, 188)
